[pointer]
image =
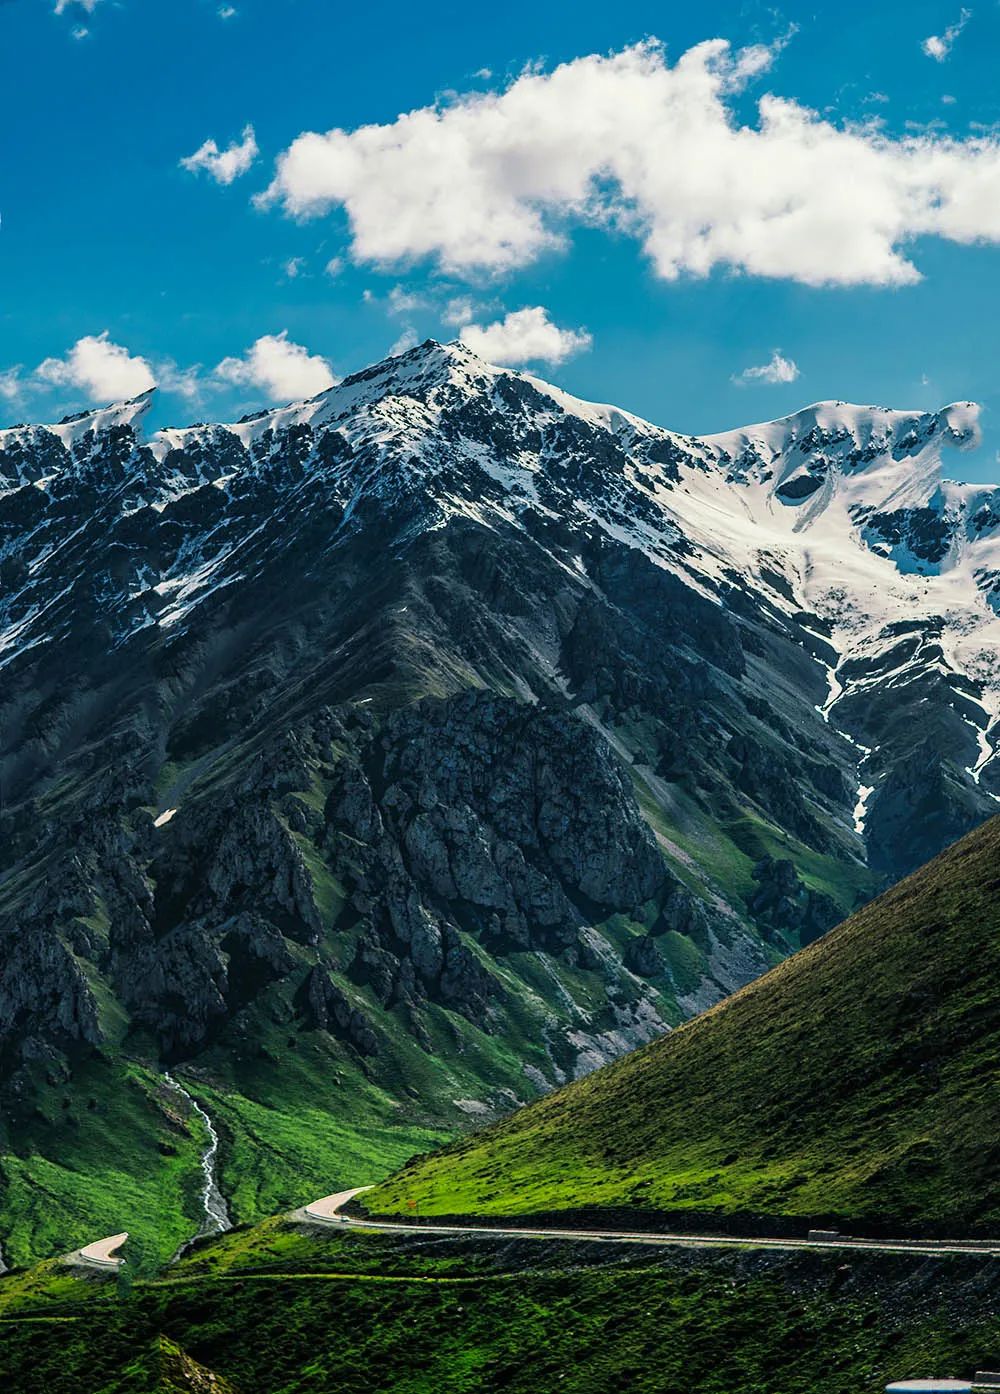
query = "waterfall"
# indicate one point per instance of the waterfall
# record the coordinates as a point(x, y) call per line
point(216, 1219)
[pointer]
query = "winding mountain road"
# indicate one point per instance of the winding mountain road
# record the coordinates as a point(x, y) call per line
point(329, 1210)
point(101, 1254)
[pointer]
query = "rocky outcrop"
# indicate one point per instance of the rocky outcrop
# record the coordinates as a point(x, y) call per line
point(919, 806)
point(481, 777)
point(454, 831)
point(643, 957)
point(44, 992)
point(252, 861)
point(332, 1011)
point(466, 814)
point(785, 908)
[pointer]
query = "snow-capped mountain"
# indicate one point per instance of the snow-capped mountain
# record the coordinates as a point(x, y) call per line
point(837, 512)
point(448, 699)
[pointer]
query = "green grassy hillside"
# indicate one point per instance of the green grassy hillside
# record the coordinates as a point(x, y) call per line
point(281, 1309)
point(857, 1081)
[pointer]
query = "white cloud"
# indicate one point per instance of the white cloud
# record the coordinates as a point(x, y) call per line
point(938, 46)
point(184, 382)
point(224, 165)
point(490, 181)
point(778, 369)
point(459, 310)
point(407, 340)
point(524, 336)
point(404, 302)
point(284, 371)
point(105, 371)
point(11, 385)
point(334, 266)
point(294, 267)
point(88, 5)
point(226, 11)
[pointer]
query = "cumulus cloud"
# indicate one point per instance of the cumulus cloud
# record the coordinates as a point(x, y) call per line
point(183, 382)
point(283, 370)
point(105, 371)
point(524, 336)
point(491, 181)
point(11, 386)
point(402, 301)
point(777, 369)
point(224, 165)
point(407, 340)
point(938, 46)
point(459, 310)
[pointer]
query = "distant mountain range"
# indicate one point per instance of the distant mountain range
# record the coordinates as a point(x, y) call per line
point(383, 760)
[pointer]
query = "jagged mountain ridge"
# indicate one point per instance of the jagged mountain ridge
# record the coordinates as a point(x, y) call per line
point(772, 499)
point(838, 511)
point(447, 717)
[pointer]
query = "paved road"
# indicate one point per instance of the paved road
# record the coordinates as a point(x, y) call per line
point(328, 1208)
point(328, 1211)
point(100, 1254)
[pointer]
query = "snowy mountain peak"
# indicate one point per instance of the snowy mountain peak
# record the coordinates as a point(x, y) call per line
point(853, 435)
point(870, 459)
point(71, 430)
point(38, 455)
point(835, 523)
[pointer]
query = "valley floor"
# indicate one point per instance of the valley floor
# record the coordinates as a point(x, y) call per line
point(291, 1309)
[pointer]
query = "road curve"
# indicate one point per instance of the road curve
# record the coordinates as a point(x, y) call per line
point(327, 1211)
point(100, 1254)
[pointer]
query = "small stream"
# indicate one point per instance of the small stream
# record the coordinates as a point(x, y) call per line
point(216, 1219)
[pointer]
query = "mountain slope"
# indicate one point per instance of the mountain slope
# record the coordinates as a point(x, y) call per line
point(379, 762)
point(856, 1081)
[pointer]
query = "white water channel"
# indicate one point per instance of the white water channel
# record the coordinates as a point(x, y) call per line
point(216, 1219)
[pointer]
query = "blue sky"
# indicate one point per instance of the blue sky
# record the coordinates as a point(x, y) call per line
point(657, 290)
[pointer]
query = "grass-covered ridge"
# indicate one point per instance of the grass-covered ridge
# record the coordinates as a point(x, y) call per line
point(280, 1308)
point(857, 1081)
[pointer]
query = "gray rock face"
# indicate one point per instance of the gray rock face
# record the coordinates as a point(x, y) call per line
point(644, 958)
point(44, 992)
point(783, 904)
point(333, 1011)
point(255, 857)
point(482, 776)
point(454, 830)
point(467, 813)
